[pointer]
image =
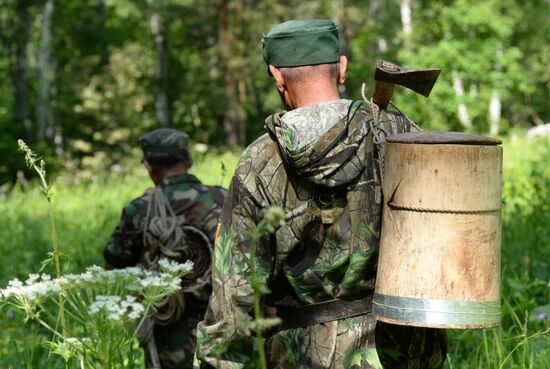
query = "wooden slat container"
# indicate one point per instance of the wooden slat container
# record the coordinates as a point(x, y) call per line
point(439, 263)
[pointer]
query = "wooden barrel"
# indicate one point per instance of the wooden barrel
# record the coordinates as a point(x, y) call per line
point(439, 263)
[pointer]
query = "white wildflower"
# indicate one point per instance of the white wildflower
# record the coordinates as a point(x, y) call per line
point(33, 289)
point(173, 267)
point(72, 341)
point(33, 278)
point(15, 283)
point(116, 309)
point(273, 219)
point(70, 347)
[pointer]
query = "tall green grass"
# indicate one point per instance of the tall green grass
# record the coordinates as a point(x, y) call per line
point(88, 211)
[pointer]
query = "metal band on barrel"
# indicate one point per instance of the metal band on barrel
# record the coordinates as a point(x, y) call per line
point(436, 312)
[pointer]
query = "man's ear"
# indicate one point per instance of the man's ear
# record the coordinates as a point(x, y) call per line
point(148, 166)
point(155, 176)
point(343, 66)
point(276, 73)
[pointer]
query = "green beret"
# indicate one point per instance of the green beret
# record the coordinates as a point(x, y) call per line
point(301, 42)
point(164, 142)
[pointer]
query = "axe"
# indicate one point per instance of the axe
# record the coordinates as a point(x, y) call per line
point(387, 75)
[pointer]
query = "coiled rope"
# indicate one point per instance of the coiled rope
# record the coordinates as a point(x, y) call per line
point(165, 235)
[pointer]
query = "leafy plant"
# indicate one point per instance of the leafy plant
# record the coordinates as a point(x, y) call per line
point(94, 316)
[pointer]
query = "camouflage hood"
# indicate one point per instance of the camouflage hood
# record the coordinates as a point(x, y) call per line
point(322, 143)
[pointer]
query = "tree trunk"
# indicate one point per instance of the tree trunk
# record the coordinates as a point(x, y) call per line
point(463, 117)
point(405, 9)
point(161, 72)
point(339, 11)
point(494, 112)
point(241, 75)
point(100, 6)
point(494, 104)
point(19, 71)
point(406, 20)
point(231, 121)
point(380, 45)
point(44, 118)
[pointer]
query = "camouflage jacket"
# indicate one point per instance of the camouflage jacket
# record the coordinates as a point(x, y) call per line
point(201, 206)
point(320, 164)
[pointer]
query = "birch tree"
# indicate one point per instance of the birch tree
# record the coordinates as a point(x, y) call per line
point(161, 71)
point(19, 72)
point(230, 118)
point(44, 117)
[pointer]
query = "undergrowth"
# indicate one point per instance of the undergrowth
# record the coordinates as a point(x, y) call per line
point(87, 211)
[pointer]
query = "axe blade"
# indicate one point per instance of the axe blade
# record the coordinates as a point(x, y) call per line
point(418, 80)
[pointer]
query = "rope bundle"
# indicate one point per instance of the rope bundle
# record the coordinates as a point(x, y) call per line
point(166, 235)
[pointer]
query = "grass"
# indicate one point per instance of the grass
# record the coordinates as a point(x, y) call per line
point(88, 211)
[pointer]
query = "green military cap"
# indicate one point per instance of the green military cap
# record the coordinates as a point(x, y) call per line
point(301, 42)
point(164, 142)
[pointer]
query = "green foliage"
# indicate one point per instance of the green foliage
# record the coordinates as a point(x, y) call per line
point(103, 99)
point(86, 213)
point(472, 40)
point(104, 63)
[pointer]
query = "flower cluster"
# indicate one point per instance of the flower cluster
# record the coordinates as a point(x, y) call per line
point(35, 287)
point(70, 347)
point(116, 308)
point(273, 219)
point(98, 278)
point(27, 296)
point(175, 268)
point(151, 286)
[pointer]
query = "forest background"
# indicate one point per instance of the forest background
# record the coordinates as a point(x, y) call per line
point(81, 81)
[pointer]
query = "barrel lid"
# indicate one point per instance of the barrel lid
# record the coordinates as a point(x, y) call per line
point(442, 138)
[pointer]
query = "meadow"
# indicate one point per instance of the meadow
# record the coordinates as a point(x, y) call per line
point(87, 210)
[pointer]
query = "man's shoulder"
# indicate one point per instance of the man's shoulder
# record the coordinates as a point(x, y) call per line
point(217, 193)
point(258, 146)
point(136, 206)
point(262, 155)
point(195, 191)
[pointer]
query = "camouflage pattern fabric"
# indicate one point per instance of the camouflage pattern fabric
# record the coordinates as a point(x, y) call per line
point(329, 187)
point(201, 206)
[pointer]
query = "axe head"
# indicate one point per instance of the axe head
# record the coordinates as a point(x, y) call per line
point(418, 80)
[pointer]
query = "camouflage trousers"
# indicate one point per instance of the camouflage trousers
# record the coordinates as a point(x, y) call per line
point(358, 343)
point(176, 342)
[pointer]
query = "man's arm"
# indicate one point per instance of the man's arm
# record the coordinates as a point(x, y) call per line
point(223, 337)
point(124, 247)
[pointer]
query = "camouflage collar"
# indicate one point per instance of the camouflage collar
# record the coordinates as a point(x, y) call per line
point(180, 178)
point(336, 155)
point(302, 126)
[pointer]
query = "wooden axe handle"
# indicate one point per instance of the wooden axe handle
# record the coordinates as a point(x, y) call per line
point(383, 92)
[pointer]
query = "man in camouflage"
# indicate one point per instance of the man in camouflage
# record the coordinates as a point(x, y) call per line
point(320, 162)
point(192, 204)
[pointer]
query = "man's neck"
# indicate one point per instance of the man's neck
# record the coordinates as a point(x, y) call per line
point(174, 171)
point(315, 92)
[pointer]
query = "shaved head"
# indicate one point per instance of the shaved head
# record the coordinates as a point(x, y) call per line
point(311, 72)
